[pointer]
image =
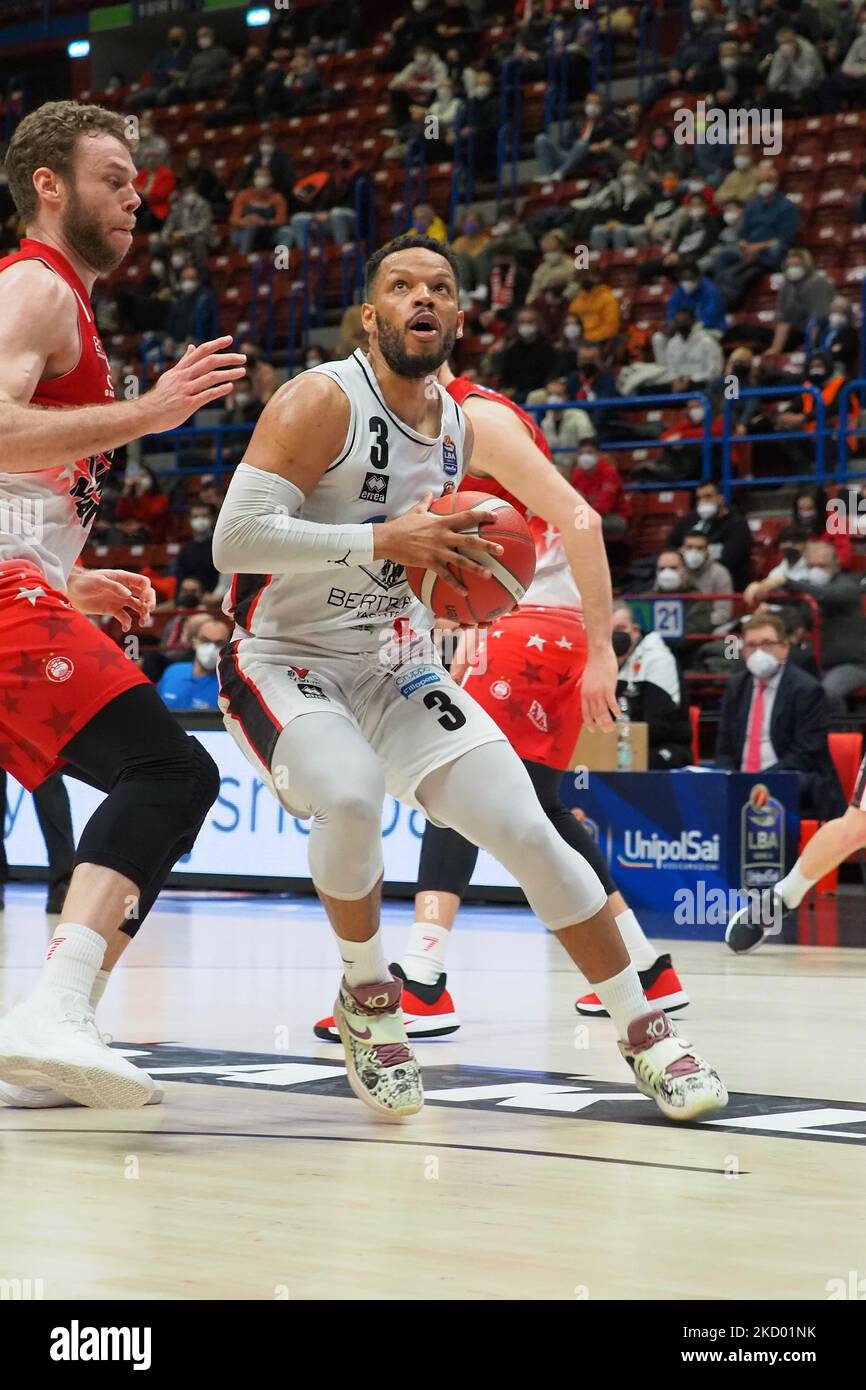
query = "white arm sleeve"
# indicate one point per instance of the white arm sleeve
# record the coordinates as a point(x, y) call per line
point(257, 530)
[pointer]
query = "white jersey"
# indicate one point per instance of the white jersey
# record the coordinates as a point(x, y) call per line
point(383, 469)
point(554, 584)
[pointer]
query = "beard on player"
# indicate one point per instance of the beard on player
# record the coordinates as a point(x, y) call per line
point(394, 345)
point(89, 237)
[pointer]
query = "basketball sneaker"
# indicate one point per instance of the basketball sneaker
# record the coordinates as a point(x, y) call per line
point(43, 1098)
point(749, 927)
point(661, 985)
point(380, 1064)
point(428, 1010)
point(668, 1070)
point(51, 1041)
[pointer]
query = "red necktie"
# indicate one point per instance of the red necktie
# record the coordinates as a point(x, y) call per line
point(756, 728)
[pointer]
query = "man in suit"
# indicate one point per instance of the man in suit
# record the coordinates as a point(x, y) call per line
point(775, 718)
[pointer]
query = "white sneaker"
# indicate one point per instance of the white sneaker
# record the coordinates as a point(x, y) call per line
point(51, 1041)
point(669, 1070)
point(43, 1098)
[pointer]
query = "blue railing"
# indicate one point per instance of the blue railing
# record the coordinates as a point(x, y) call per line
point(648, 47)
point(508, 139)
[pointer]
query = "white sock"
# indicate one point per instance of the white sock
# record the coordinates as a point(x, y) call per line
point(624, 999)
point(424, 957)
point(643, 953)
point(793, 888)
point(364, 962)
point(96, 993)
point(73, 961)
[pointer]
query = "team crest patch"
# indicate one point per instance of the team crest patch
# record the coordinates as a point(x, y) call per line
point(449, 455)
point(500, 690)
point(59, 669)
point(375, 488)
point(538, 716)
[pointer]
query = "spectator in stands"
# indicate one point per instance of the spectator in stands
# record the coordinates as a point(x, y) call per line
point(258, 216)
point(141, 513)
point(145, 309)
point(694, 56)
point(408, 32)
point(836, 336)
point(797, 624)
point(564, 430)
point(597, 478)
point(427, 222)
point(664, 216)
point(805, 294)
point(566, 341)
point(204, 180)
point(261, 376)
point(194, 560)
point(327, 196)
point(846, 83)
point(291, 93)
point(769, 226)
point(700, 295)
point(795, 74)
point(152, 148)
point(527, 361)
point(792, 541)
point(733, 77)
point(686, 355)
point(207, 72)
point(809, 511)
point(727, 236)
point(416, 84)
point(189, 226)
point(468, 248)
point(455, 22)
point(693, 233)
point(683, 441)
point(590, 381)
point(510, 241)
point(187, 685)
point(168, 67)
point(726, 530)
point(624, 205)
point(179, 634)
point(597, 308)
point(268, 155)
point(672, 577)
point(485, 114)
point(590, 135)
point(710, 576)
point(843, 623)
point(775, 718)
point(246, 78)
point(742, 182)
point(649, 682)
point(664, 156)
point(829, 377)
point(154, 184)
point(441, 116)
point(835, 30)
point(194, 317)
point(556, 270)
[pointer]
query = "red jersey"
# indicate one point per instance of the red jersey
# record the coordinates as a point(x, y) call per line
point(53, 508)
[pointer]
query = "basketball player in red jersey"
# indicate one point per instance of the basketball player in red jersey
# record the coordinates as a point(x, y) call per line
point(534, 685)
point(69, 698)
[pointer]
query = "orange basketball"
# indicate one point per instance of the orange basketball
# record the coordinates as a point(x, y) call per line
point(511, 573)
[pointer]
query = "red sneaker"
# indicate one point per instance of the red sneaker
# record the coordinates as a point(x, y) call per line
point(661, 984)
point(428, 1011)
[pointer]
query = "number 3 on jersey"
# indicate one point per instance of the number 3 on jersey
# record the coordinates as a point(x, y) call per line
point(379, 442)
point(451, 717)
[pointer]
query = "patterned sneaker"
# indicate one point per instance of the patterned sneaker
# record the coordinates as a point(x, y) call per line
point(661, 985)
point(749, 927)
point(428, 1010)
point(380, 1064)
point(668, 1070)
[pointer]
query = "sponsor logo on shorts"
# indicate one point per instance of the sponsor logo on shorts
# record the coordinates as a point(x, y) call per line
point(311, 692)
point(375, 488)
point(300, 671)
point(449, 455)
point(410, 681)
point(59, 669)
point(538, 716)
point(500, 690)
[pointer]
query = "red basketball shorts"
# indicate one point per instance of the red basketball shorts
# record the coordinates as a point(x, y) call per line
point(531, 688)
point(57, 670)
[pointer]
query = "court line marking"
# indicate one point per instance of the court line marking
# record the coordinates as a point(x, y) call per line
point(390, 1143)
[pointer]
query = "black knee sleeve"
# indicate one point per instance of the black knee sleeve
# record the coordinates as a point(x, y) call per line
point(447, 861)
point(546, 781)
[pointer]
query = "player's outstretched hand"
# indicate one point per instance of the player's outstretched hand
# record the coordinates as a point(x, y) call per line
point(598, 691)
point(203, 374)
point(421, 537)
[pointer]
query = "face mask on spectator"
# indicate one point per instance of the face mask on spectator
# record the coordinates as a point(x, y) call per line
point(552, 256)
point(189, 286)
point(471, 227)
point(788, 49)
point(695, 185)
point(731, 217)
point(592, 109)
point(586, 459)
point(419, 6)
point(837, 320)
point(527, 330)
point(766, 188)
point(571, 331)
point(707, 510)
point(697, 212)
point(689, 286)
point(693, 558)
point(817, 576)
point(629, 180)
point(266, 151)
point(241, 400)
point(668, 579)
point(205, 41)
point(806, 516)
point(261, 182)
point(742, 161)
point(621, 642)
point(444, 93)
point(157, 267)
point(696, 413)
point(145, 483)
point(728, 64)
point(199, 525)
point(762, 665)
point(178, 259)
point(817, 373)
point(482, 92)
point(187, 598)
point(795, 272)
point(314, 360)
point(207, 655)
point(659, 142)
point(698, 16)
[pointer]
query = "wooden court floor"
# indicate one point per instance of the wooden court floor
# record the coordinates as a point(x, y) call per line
point(534, 1171)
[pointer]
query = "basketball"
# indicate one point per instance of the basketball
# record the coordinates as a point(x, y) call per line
point(511, 573)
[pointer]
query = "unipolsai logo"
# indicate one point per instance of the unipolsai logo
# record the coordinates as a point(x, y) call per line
point(762, 839)
point(654, 851)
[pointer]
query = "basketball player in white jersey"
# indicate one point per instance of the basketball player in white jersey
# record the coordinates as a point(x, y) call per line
point(319, 520)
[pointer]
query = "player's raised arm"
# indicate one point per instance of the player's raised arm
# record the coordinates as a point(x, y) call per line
point(35, 310)
point(503, 450)
point(300, 433)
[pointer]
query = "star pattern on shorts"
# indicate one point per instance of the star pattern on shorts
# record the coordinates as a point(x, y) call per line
point(537, 641)
point(532, 672)
point(104, 656)
point(497, 633)
point(514, 708)
point(59, 721)
point(565, 644)
point(55, 625)
point(563, 677)
point(28, 666)
point(7, 753)
point(11, 703)
point(32, 595)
